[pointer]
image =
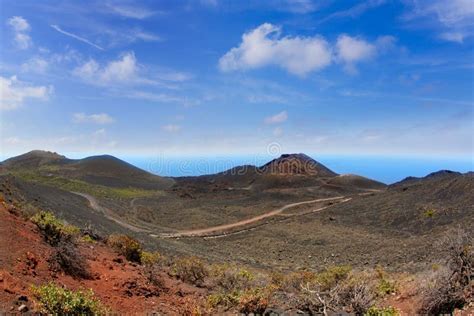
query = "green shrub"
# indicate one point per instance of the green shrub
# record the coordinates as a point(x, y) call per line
point(88, 239)
point(294, 281)
point(385, 286)
point(150, 258)
point(253, 301)
point(55, 300)
point(429, 213)
point(226, 300)
point(52, 229)
point(384, 311)
point(191, 270)
point(331, 276)
point(126, 246)
point(228, 277)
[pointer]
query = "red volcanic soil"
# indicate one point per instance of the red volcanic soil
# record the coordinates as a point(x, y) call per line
point(120, 285)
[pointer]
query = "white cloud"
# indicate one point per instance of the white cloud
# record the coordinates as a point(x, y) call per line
point(35, 64)
point(162, 98)
point(123, 70)
point(277, 118)
point(172, 128)
point(457, 37)
point(453, 19)
point(21, 28)
point(133, 12)
point(100, 118)
point(352, 50)
point(278, 131)
point(77, 37)
point(14, 92)
point(264, 46)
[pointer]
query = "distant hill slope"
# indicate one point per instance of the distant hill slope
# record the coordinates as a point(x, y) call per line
point(103, 170)
point(34, 159)
point(414, 205)
point(430, 177)
point(356, 181)
point(290, 171)
point(296, 164)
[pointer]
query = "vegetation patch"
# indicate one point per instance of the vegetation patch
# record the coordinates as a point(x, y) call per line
point(450, 286)
point(74, 185)
point(67, 258)
point(150, 258)
point(191, 270)
point(126, 246)
point(385, 285)
point(429, 213)
point(331, 276)
point(53, 229)
point(382, 311)
point(56, 300)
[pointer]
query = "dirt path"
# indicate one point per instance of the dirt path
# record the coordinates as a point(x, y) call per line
point(108, 213)
point(222, 228)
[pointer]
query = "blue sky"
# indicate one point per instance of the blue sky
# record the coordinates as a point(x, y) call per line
point(221, 77)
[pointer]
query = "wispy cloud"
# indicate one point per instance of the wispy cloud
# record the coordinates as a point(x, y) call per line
point(36, 65)
point(84, 40)
point(172, 128)
point(14, 92)
point(453, 20)
point(100, 118)
point(277, 118)
point(21, 28)
point(355, 11)
point(133, 12)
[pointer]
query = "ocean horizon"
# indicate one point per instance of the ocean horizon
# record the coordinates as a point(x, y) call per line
point(384, 169)
point(381, 168)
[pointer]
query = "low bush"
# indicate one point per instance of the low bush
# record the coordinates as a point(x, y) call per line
point(223, 299)
point(385, 285)
point(150, 258)
point(429, 213)
point(229, 278)
point(126, 246)
point(154, 277)
point(294, 281)
point(67, 258)
point(52, 229)
point(450, 286)
point(384, 311)
point(253, 301)
point(88, 239)
point(331, 276)
point(56, 300)
point(191, 270)
point(358, 292)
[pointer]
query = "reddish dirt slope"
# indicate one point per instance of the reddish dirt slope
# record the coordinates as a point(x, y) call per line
point(120, 285)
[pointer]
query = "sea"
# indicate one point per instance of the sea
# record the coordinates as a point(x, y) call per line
point(381, 168)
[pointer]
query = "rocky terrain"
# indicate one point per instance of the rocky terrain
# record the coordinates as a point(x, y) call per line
point(290, 215)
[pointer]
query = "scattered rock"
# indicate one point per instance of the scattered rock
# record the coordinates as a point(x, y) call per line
point(23, 308)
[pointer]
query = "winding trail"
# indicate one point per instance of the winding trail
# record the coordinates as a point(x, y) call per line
point(214, 231)
point(108, 213)
point(206, 232)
